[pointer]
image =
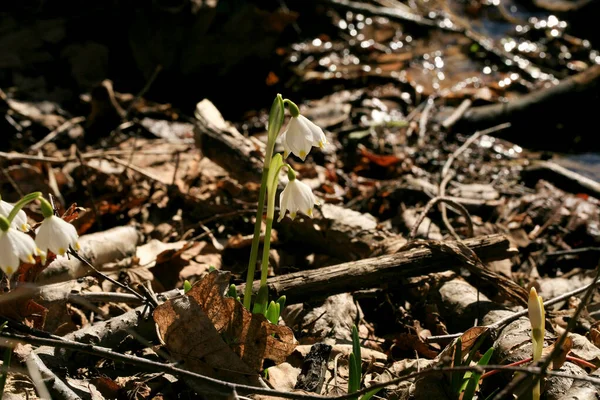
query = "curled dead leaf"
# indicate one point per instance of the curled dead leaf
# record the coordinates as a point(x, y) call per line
point(216, 335)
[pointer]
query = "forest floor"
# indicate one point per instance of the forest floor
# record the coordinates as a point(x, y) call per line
point(461, 170)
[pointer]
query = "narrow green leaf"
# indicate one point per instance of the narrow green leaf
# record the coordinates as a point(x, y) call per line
point(186, 286)
point(353, 376)
point(475, 376)
point(5, 365)
point(260, 304)
point(276, 118)
point(272, 314)
point(356, 349)
point(281, 302)
point(369, 394)
point(232, 291)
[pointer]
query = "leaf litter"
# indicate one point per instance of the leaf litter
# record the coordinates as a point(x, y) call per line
point(386, 85)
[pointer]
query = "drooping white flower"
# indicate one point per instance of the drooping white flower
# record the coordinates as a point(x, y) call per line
point(57, 235)
point(296, 196)
point(20, 220)
point(15, 246)
point(300, 136)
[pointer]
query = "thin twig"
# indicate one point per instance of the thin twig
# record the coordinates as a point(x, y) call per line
point(108, 278)
point(144, 90)
point(88, 187)
point(433, 202)
point(52, 135)
point(218, 386)
point(12, 182)
point(442, 206)
point(469, 142)
point(457, 114)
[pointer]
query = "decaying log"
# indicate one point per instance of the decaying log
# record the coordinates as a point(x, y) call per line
point(99, 248)
point(377, 271)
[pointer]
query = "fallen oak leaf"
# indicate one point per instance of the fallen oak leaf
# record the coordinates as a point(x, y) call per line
point(217, 336)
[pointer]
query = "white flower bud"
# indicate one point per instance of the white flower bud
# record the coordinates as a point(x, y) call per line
point(15, 246)
point(300, 136)
point(56, 235)
point(296, 196)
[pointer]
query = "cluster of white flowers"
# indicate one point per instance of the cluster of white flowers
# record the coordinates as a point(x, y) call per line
point(299, 138)
point(53, 234)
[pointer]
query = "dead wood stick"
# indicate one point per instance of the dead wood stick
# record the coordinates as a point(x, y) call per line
point(54, 384)
point(561, 177)
point(504, 321)
point(52, 135)
point(378, 271)
point(433, 202)
point(538, 104)
point(223, 144)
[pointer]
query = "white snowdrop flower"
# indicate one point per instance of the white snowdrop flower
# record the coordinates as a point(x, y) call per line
point(300, 136)
point(15, 246)
point(296, 196)
point(20, 220)
point(57, 235)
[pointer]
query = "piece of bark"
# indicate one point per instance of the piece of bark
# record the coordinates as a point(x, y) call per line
point(222, 143)
point(98, 248)
point(378, 271)
point(464, 303)
point(313, 368)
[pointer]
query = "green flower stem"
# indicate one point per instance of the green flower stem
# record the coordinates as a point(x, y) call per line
point(4, 224)
point(21, 203)
point(47, 210)
point(267, 244)
point(257, 226)
point(294, 110)
point(275, 122)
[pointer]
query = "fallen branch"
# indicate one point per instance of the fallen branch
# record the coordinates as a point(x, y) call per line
point(54, 384)
point(551, 102)
point(561, 177)
point(378, 271)
point(100, 248)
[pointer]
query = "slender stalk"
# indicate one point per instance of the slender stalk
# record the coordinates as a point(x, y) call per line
point(257, 226)
point(267, 244)
point(275, 122)
point(21, 203)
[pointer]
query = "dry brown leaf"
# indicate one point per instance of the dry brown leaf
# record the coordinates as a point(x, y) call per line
point(560, 358)
point(217, 336)
point(22, 308)
point(469, 338)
